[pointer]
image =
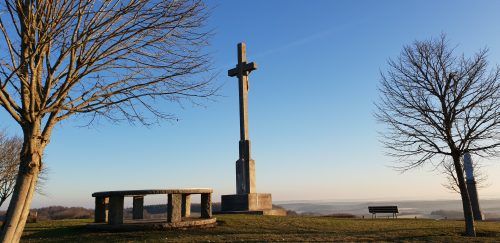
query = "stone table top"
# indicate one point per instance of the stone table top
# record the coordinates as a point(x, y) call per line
point(152, 191)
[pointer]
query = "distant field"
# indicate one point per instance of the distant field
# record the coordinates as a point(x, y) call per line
point(269, 228)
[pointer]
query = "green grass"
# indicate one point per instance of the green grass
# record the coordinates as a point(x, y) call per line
point(269, 228)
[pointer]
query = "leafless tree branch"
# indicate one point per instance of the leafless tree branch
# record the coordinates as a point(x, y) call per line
point(437, 105)
point(117, 59)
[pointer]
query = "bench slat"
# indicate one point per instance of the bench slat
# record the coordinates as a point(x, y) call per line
point(152, 191)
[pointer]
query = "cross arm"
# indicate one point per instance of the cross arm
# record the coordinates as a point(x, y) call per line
point(242, 69)
point(250, 66)
point(233, 72)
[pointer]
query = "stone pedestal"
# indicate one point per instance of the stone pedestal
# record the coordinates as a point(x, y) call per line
point(138, 207)
point(245, 176)
point(174, 208)
point(101, 209)
point(246, 202)
point(186, 205)
point(115, 210)
point(206, 205)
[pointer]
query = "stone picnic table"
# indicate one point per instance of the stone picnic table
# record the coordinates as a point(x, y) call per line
point(109, 204)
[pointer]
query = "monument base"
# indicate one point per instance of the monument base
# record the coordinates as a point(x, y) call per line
point(251, 203)
point(270, 212)
point(246, 202)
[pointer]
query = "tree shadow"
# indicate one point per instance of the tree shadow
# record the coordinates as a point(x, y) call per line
point(75, 231)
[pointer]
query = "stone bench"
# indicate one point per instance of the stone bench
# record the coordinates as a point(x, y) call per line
point(109, 204)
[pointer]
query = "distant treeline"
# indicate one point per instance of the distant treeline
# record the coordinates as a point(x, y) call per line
point(59, 212)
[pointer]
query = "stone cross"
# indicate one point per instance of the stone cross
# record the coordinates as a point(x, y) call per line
point(246, 198)
point(245, 171)
point(242, 70)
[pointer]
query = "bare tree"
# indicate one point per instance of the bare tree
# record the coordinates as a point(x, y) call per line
point(10, 149)
point(114, 59)
point(437, 105)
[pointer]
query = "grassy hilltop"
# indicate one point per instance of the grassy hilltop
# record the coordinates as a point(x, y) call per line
point(269, 228)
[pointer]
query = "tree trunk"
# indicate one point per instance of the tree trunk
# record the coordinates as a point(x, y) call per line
point(2, 200)
point(470, 229)
point(29, 169)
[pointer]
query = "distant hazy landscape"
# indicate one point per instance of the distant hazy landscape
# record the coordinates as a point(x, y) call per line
point(438, 209)
point(425, 209)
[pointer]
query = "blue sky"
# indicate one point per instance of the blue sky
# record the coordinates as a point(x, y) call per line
point(310, 108)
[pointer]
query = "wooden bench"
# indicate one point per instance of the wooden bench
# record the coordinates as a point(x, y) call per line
point(383, 209)
point(109, 204)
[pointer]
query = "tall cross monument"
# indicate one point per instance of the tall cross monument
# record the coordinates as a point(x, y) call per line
point(245, 166)
point(246, 198)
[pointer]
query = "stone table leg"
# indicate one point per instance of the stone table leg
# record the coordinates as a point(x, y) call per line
point(100, 210)
point(206, 205)
point(115, 210)
point(186, 205)
point(138, 207)
point(174, 208)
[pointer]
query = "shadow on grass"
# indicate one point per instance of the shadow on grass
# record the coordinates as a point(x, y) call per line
point(242, 228)
point(487, 234)
point(59, 232)
point(80, 233)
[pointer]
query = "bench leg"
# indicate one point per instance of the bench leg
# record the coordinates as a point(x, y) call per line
point(174, 208)
point(115, 210)
point(138, 207)
point(101, 210)
point(186, 205)
point(206, 205)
